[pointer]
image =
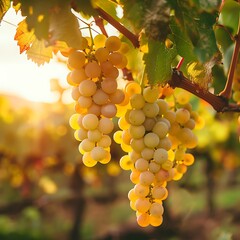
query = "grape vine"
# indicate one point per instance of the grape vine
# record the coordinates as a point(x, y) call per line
point(135, 76)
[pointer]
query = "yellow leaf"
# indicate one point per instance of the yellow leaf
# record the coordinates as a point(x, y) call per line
point(23, 37)
point(39, 53)
point(4, 6)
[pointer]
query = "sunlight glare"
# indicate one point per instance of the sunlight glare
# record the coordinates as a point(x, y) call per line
point(20, 76)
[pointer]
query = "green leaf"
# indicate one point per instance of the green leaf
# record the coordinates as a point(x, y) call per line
point(158, 62)
point(134, 11)
point(85, 8)
point(208, 5)
point(4, 6)
point(206, 47)
point(64, 27)
point(183, 43)
point(230, 15)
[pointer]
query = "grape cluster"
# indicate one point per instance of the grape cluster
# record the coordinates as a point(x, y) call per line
point(94, 73)
point(155, 138)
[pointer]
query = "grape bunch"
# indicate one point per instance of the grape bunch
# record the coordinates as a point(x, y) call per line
point(94, 73)
point(155, 138)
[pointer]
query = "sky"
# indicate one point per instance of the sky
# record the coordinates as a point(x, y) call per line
point(20, 76)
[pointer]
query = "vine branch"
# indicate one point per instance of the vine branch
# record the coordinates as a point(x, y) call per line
point(228, 87)
point(132, 37)
point(219, 103)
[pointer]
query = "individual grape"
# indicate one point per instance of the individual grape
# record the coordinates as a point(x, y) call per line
point(141, 191)
point(136, 117)
point(90, 121)
point(142, 205)
point(126, 163)
point(160, 155)
point(109, 70)
point(132, 88)
point(117, 97)
point(107, 158)
point(134, 176)
point(75, 93)
point(162, 175)
point(161, 129)
point(167, 165)
point(170, 116)
point(105, 141)
point(77, 75)
point(179, 154)
point(137, 144)
point(99, 40)
point(162, 119)
point(134, 156)
point(84, 102)
point(123, 124)
point(137, 131)
point(181, 168)
point(100, 97)
point(190, 124)
point(143, 220)
point(151, 109)
point(113, 43)
point(156, 209)
point(147, 153)
point(150, 94)
point(109, 85)
point(154, 167)
point(182, 115)
point(82, 134)
point(137, 101)
point(117, 137)
point(149, 124)
point(174, 129)
point(126, 137)
point(94, 109)
point(155, 221)
point(123, 63)
point(86, 145)
point(163, 106)
point(159, 192)
point(102, 54)
point(132, 196)
point(92, 69)
point(94, 135)
point(146, 178)
point(98, 153)
point(187, 137)
point(188, 159)
point(109, 110)
point(115, 58)
point(106, 125)
point(165, 143)
point(141, 165)
point(73, 121)
point(87, 88)
point(151, 140)
point(88, 160)
point(76, 59)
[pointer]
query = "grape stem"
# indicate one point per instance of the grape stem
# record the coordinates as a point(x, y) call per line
point(226, 93)
point(132, 37)
point(219, 103)
point(99, 23)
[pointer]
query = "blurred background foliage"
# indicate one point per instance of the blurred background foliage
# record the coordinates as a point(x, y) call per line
point(46, 193)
